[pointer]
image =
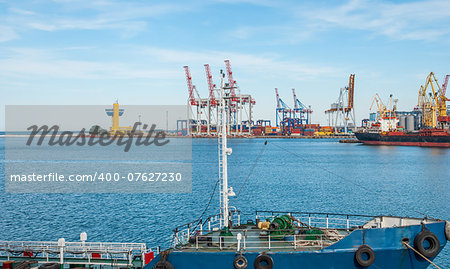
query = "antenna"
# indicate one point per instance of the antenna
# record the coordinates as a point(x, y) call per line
point(224, 151)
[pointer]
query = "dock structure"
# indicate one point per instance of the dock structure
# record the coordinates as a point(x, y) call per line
point(77, 253)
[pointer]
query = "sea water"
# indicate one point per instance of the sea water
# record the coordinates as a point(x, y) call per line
point(317, 175)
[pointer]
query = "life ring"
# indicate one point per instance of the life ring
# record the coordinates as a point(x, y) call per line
point(365, 256)
point(240, 262)
point(163, 265)
point(429, 238)
point(263, 261)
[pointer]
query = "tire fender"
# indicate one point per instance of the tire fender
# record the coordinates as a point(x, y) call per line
point(240, 262)
point(447, 230)
point(362, 251)
point(263, 258)
point(163, 265)
point(432, 240)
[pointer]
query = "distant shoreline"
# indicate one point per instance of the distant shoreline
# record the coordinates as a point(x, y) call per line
point(240, 137)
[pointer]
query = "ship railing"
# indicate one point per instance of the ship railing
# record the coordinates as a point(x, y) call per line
point(182, 233)
point(93, 253)
point(243, 240)
point(314, 219)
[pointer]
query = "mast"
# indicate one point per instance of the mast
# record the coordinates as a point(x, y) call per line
point(224, 151)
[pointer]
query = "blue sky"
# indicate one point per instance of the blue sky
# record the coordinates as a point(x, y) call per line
point(94, 52)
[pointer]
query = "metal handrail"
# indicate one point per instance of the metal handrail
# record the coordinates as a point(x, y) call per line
point(272, 241)
point(315, 219)
point(183, 232)
point(61, 250)
point(312, 213)
point(200, 220)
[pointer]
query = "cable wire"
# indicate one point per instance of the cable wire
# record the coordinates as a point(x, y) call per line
point(252, 169)
point(343, 178)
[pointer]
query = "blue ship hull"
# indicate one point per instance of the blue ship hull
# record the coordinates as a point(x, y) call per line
point(385, 242)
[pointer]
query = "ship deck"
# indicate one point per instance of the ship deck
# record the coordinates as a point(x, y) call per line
point(307, 232)
point(258, 240)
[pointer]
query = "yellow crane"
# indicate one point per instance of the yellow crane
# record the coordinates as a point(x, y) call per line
point(381, 107)
point(382, 110)
point(433, 103)
point(387, 118)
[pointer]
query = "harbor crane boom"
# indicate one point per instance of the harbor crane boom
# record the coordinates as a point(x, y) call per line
point(351, 92)
point(231, 81)
point(190, 86)
point(278, 98)
point(211, 85)
point(295, 99)
point(444, 86)
point(380, 105)
point(298, 105)
point(280, 103)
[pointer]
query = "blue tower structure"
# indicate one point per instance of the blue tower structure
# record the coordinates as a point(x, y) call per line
point(301, 111)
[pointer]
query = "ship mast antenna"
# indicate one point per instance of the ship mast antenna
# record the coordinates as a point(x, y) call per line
point(224, 151)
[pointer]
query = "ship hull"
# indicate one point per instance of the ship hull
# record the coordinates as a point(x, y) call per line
point(385, 242)
point(404, 140)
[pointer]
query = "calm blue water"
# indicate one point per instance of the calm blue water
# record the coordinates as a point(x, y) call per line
point(321, 175)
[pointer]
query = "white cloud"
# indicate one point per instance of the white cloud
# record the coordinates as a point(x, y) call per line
point(271, 64)
point(424, 20)
point(7, 34)
point(41, 26)
point(22, 11)
point(126, 18)
point(25, 63)
point(253, 2)
point(154, 63)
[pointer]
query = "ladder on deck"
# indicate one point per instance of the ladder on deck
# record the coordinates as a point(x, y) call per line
point(220, 157)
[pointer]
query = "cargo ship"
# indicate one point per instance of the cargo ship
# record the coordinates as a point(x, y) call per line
point(431, 112)
point(422, 138)
point(296, 239)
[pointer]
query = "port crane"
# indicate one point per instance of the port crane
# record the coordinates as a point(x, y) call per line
point(386, 116)
point(288, 118)
point(301, 111)
point(380, 105)
point(342, 113)
point(202, 106)
point(211, 86)
point(283, 110)
point(444, 86)
point(432, 104)
point(231, 81)
point(192, 100)
point(203, 112)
